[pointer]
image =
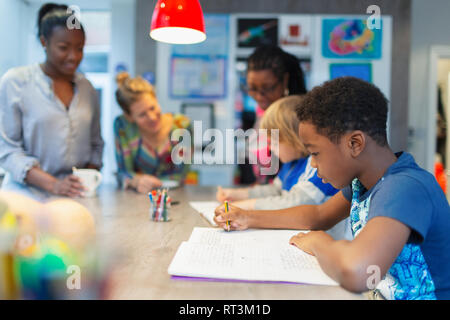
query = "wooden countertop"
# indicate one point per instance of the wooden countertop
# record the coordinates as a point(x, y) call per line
point(146, 249)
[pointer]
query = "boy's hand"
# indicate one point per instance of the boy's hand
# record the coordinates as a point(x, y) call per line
point(237, 218)
point(306, 241)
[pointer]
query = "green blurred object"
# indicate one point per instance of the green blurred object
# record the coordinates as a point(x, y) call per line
point(43, 275)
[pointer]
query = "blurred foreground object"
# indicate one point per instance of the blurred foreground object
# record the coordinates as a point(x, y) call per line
point(49, 251)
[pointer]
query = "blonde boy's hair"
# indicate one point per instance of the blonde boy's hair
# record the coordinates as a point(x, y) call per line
point(282, 115)
point(129, 90)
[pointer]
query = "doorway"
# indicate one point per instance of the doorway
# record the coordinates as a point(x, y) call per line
point(438, 146)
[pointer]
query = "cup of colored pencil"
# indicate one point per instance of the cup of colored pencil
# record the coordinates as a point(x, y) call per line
point(160, 203)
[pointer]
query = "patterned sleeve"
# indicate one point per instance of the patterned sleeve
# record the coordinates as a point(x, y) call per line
point(266, 190)
point(123, 152)
point(302, 193)
point(180, 171)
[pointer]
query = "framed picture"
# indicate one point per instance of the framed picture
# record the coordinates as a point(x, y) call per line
point(216, 43)
point(358, 70)
point(256, 32)
point(350, 39)
point(203, 112)
point(295, 33)
point(197, 77)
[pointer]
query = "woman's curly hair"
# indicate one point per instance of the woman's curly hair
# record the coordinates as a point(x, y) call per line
point(346, 104)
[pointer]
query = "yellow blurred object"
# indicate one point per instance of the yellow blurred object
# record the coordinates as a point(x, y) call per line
point(8, 221)
point(191, 178)
point(24, 209)
point(34, 235)
point(27, 246)
point(25, 212)
point(64, 218)
point(8, 233)
point(70, 221)
point(8, 287)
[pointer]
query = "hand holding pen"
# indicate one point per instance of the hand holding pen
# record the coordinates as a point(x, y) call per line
point(232, 218)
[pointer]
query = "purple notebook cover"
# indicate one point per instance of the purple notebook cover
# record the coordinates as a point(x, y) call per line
point(230, 280)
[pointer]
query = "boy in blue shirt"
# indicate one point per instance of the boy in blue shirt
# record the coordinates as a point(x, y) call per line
point(400, 218)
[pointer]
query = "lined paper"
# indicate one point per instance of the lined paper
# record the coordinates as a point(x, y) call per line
point(214, 236)
point(206, 209)
point(250, 255)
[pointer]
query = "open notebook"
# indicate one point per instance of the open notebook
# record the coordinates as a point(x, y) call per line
point(250, 255)
point(206, 209)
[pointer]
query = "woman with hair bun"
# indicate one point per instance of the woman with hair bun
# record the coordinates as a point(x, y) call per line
point(143, 137)
point(50, 114)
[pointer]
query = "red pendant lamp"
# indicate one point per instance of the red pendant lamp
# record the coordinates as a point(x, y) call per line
point(178, 22)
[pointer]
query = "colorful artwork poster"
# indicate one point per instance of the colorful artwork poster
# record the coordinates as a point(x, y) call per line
point(358, 70)
point(256, 32)
point(197, 77)
point(350, 39)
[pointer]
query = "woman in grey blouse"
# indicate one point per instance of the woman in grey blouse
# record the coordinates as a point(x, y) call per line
point(49, 114)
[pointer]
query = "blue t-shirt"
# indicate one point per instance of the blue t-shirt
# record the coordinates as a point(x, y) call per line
point(291, 172)
point(412, 196)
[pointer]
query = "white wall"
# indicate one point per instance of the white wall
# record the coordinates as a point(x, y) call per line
point(381, 76)
point(381, 68)
point(430, 26)
point(11, 17)
point(13, 53)
point(122, 52)
point(32, 50)
point(223, 108)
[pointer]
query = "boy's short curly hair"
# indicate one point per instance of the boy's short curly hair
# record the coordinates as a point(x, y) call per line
point(345, 104)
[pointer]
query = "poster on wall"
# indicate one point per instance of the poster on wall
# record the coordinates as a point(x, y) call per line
point(197, 77)
point(295, 34)
point(199, 70)
point(253, 33)
point(358, 70)
point(216, 43)
point(350, 39)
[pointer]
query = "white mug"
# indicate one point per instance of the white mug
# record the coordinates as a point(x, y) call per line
point(90, 179)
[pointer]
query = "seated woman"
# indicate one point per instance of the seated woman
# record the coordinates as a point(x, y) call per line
point(143, 137)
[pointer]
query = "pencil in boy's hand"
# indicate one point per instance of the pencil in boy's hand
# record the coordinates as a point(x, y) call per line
point(226, 211)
